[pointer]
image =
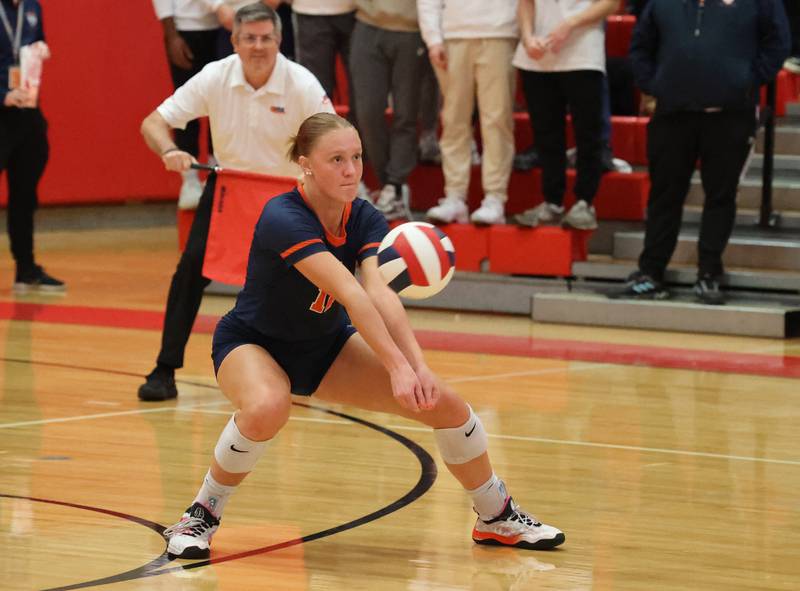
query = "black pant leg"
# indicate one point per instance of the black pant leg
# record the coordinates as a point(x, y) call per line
point(188, 283)
point(725, 141)
point(672, 151)
point(585, 90)
point(203, 45)
point(793, 13)
point(25, 164)
point(547, 110)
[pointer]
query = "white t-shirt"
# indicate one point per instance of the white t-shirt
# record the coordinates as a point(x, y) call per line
point(323, 7)
point(189, 15)
point(466, 19)
point(583, 50)
point(251, 128)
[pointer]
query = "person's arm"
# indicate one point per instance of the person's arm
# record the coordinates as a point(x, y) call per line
point(391, 309)
point(158, 137)
point(327, 272)
point(534, 46)
point(430, 27)
point(643, 50)
point(598, 10)
point(774, 40)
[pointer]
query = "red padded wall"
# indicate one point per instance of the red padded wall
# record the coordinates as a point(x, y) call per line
point(108, 71)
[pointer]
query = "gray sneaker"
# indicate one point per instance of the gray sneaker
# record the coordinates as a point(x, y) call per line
point(394, 202)
point(581, 217)
point(544, 213)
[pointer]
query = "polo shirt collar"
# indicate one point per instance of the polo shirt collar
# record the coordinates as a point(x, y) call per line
point(277, 80)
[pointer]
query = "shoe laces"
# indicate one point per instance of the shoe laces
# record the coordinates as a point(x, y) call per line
point(195, 524)
point(191, 526)
point(523, 518)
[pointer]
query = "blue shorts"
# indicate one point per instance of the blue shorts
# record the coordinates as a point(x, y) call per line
point(305, 362)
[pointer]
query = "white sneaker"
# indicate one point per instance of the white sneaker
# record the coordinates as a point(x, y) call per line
point(491, 211)
point(581, 216)
point(191, 536)
point(363, 191)
point(451, 208)
point(392, 205)
point(514, 527)
point(544, 213)
point(191, 190)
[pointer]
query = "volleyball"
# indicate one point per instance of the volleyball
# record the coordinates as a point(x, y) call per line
point(417, 260)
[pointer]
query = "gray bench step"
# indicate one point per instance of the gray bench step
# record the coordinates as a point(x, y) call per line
point(607, 269)
point(742, 251)
point(745, 318)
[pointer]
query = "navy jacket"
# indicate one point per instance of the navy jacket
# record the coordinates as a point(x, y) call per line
point(703, 54)
point(31, 32)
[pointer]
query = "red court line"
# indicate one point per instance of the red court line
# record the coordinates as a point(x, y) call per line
point(786, 366)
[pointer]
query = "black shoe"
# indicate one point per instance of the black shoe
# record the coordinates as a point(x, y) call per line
point(36, 279)
point(707, 290)
point(641, 287)
point(527, 159)
point(159, 386)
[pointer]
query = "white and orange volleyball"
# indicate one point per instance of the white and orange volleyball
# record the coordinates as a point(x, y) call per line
point(417, 260)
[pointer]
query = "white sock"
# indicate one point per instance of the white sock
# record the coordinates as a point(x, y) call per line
point(213, 495)
point(490, 498)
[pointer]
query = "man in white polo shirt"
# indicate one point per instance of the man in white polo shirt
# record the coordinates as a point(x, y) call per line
point(255, 100)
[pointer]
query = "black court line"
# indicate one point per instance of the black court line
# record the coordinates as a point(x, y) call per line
point(428, 473)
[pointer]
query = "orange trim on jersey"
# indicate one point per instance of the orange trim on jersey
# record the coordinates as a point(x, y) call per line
point(332, 238)
point(293, 249)
point(368, 246)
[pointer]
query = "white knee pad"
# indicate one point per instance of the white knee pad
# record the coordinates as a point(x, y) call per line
point(462, 444)
point(234, 452)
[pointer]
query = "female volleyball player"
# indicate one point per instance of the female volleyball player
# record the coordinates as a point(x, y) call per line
point(291, 332)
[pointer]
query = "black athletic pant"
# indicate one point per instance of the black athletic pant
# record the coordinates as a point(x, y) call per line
point(548, 95)
point(793, 13)
point(188, 283)
point(675, 141)
point(204, 46)
point(23, 154)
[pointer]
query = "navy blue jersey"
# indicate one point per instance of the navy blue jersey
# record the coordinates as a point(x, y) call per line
point(277, 300)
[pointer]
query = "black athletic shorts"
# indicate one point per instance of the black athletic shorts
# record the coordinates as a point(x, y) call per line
point(305, 362)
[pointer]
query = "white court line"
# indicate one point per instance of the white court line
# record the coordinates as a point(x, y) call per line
point(553, 441)
point(532, 372)
point(104, 415)
point(291, 418)
point(677, 452)
point(199, 408)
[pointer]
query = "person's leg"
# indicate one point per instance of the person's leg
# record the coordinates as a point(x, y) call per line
point(406, 54)
point(672, 151)
point(584, 90)
point(547, 110)
point(457, 83)
point(27, 157)
point(358, 378)
point(343, 26)
point(183, 302)
point(369, 69)
point(495, 78)
point(315, 48)
point(259, 391)
point(725, 141)
point(188, 283)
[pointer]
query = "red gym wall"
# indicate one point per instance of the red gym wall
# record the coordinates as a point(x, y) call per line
point(108, 71)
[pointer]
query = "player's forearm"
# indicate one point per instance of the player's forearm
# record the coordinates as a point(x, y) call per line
point(394, 316)
point(525, 14)
point(370, 324)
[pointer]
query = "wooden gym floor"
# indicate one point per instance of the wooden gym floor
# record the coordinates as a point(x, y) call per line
point(671, 461)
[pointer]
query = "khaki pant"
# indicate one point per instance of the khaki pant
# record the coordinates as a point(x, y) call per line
point(479, 67)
